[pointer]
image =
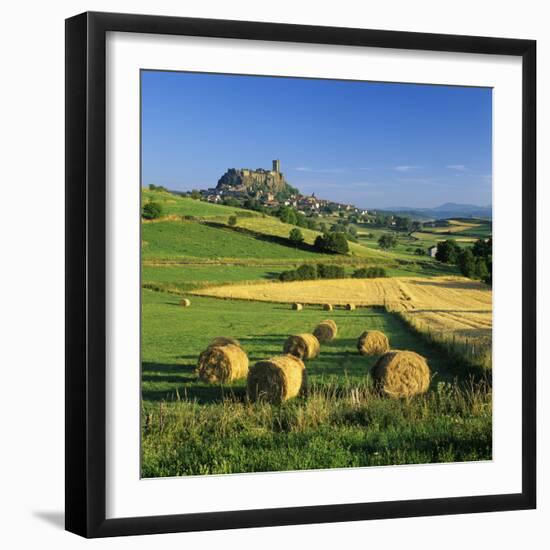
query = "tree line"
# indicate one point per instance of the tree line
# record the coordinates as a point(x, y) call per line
point(475, 262)
point(309, 272)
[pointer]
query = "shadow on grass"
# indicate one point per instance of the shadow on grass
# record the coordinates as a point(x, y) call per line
point(283, 241)
point(162, 373)
point(184, 385)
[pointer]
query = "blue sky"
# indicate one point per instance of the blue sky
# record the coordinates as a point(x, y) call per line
point(372, 144)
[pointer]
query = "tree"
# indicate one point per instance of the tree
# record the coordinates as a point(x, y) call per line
point(231, 201)
point(151, 211)
point(288, 275)
point(483, 248)
point(420, 252)
point(327, 271)
point(306, 272)
point(481, 269)
point(296, 236)
point(333, 243)
point(369, 273)
point(311, 224)
point(447, 251)
point(387, 241)
point(301, 220)
point(467, 263)
point(337, 228)
point(252, 204)
point(287, 215)
point(195, 194)
point(380, 220)
point(232, 221)
point(404, 223)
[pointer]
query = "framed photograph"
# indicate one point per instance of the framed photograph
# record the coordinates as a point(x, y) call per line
point(300, 274)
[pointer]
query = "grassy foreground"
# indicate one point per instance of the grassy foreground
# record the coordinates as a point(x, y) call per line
point(331, 429)
point(191, 428)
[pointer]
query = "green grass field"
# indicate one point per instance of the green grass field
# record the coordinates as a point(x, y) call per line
point(482, 230)
point(269, 225)
point(407, 244)
point(195, 440)
point(192, 428)
point(189, 239)
point(184, 206)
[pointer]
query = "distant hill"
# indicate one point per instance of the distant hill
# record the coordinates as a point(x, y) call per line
point(199, 230)
point(447, 210)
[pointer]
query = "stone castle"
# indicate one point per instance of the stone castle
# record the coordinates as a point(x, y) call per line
point(246, 180)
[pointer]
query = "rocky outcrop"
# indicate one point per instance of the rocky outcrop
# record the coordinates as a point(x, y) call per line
point(252, 181)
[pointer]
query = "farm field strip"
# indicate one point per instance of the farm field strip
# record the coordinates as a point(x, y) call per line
point(430, 293)
point(445, 307)
point(440, 237)
point(320, 259)
point(181, 279)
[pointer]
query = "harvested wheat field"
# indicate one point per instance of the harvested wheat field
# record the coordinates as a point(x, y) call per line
point(449, 308)
point(413, 292)
point(455, 226)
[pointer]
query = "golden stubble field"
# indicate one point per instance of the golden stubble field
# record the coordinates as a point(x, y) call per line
point(449, 308)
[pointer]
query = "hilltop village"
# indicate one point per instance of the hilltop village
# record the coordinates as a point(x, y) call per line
point(269, 189)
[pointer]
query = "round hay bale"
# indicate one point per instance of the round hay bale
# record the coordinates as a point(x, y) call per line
point(349, 307)
point(222, 364)
point(297, 307)
point(303, 346)
point(325, 331)
point(401, 374)
point(223, 341)
point(185, 302)
point(373, 342)
point(327, 307)
point(277, 379)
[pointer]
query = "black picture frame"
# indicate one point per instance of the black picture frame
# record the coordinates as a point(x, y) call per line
point(86, 284)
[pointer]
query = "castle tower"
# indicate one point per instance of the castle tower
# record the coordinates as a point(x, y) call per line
point(277, 166)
